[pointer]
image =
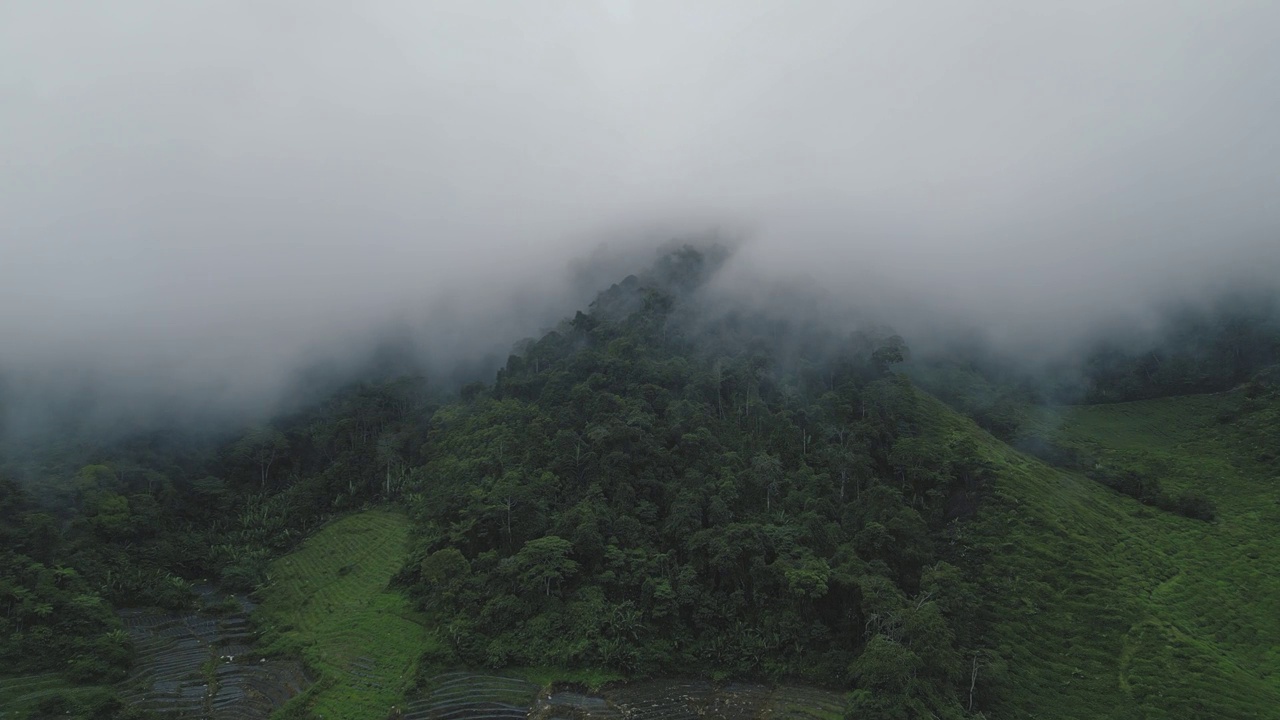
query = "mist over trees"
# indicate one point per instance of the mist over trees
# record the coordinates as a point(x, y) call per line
point(1195, 348)
point(204, 201)
point(674, 479)
point(694, 338)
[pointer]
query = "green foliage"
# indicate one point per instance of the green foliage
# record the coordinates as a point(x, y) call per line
point(52, 616)
point(544, 561)
point(138, 522)
point(651, 490)
point(1140, 486)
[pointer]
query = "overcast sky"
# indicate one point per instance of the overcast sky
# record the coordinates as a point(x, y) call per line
point(197, 194)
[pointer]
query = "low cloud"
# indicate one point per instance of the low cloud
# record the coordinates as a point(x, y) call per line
point(199, 198)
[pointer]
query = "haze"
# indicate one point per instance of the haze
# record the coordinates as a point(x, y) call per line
point(198, 198)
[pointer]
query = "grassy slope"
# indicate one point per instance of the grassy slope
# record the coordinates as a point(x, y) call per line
point(19, 694)
point(1104, 608)
point(329, 600)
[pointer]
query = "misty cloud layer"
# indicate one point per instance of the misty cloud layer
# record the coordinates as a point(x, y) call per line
point(196, 198)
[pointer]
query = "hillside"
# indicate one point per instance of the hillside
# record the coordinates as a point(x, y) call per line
point(1100, 606)
point(720, 499)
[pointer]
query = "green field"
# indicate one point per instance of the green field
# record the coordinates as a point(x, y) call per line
point(1105, 608)
point(19, 694)
point(329, 601)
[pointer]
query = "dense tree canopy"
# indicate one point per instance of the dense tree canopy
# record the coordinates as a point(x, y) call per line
point(657, 488)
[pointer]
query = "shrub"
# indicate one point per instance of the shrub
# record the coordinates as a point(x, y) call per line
point(56, 705)
point(1195, 506)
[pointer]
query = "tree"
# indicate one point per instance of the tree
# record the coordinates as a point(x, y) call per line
point(111, 516)
point(545, 561)
point(891, 351)
point(444, 572)
point(261, 446)
point(885, 667)
point(389, 454)
point(766, 471)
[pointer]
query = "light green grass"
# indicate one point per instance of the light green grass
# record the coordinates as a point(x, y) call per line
point(1104, 608)
point(330, 601)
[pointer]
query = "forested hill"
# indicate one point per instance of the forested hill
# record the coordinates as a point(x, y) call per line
point(655, 490)
point(679, 481)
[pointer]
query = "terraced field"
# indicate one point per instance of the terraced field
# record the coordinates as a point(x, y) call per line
point(329, 601)
point(466, 696)
point(1105, 608)
point(200, 666)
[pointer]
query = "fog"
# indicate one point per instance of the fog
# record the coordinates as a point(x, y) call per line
point(199, 198)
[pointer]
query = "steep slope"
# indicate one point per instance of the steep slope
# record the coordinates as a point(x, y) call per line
point(1099, 606)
